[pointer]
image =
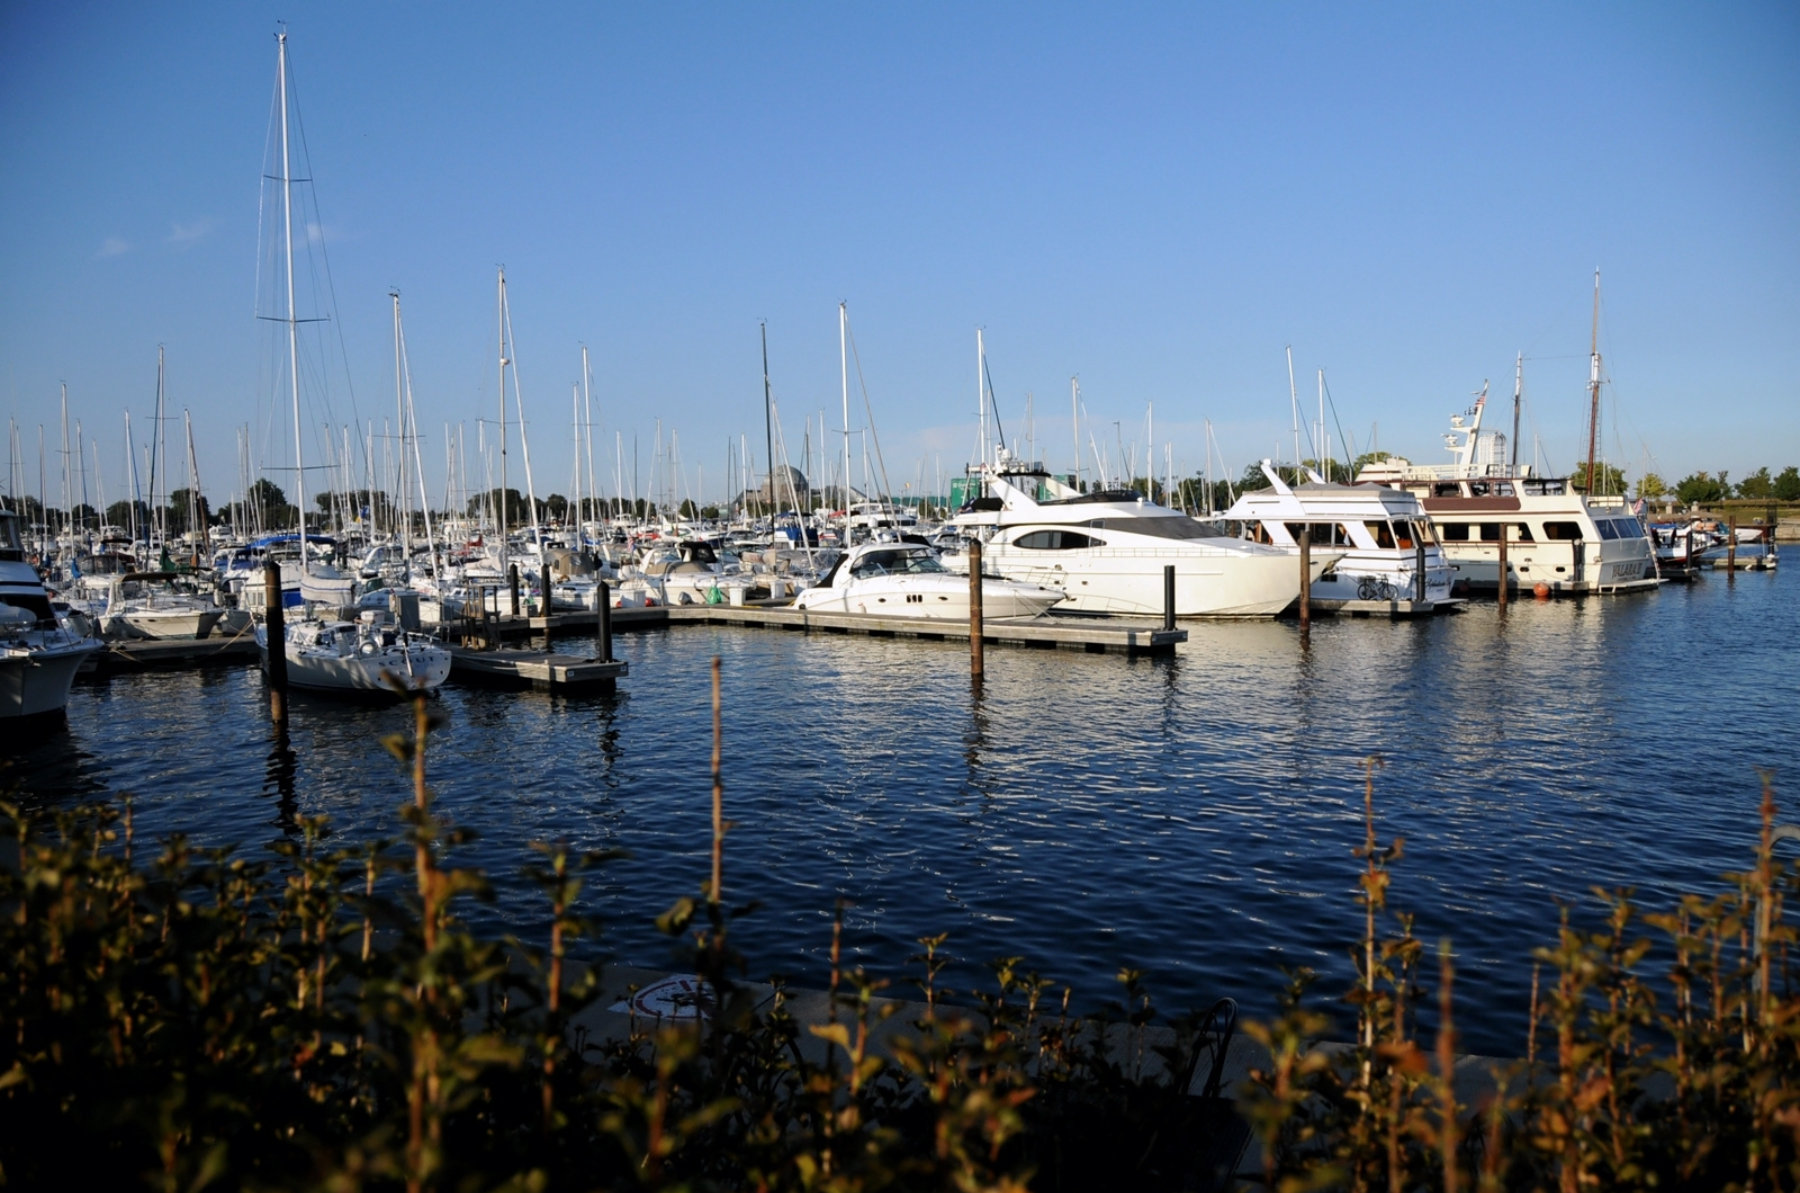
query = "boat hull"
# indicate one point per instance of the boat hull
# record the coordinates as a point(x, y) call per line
point(165, 623)
point(35, 684)
point(1130, 581)
point(930, 598)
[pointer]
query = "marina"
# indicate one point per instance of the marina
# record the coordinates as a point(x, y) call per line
point(1192, 812)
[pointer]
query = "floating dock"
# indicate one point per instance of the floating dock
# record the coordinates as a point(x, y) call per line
point(534, 668)
point(152, 653)
point(1091, 634)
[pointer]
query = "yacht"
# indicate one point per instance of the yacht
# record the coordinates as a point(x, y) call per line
point(1106, 549)
point(1556, 536)
point(1384, 534)
point(898, 579)
point(38, 654)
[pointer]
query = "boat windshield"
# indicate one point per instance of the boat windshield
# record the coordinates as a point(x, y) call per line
point(896, 562)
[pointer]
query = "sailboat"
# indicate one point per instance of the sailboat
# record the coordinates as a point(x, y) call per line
point(333, 655)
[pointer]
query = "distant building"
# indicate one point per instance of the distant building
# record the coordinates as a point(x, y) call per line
point(783, 497)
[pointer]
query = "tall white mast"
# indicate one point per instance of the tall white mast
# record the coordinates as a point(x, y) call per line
point(1518, 396)
point(844, 376)
point(980, 392)
point(1075, 424)
point(1324, 442)
point(68, 512)
point(537, 537)
point(499, 500)
point(1594, 389)
point(287, 215)
point(587, 405)
point(1294, 399)
point(400, 409)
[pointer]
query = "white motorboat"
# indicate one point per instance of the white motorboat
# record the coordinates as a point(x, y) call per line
point(157, 605)
point(1107, 549)
point(906, 580)
point(38, 654)
point(1384, 535)
point(355, 658)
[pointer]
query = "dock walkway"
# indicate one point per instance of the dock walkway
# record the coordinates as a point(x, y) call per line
point(1095, 635)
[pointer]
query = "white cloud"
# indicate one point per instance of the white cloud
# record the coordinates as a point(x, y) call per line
point(183, 235)
point(112, 246)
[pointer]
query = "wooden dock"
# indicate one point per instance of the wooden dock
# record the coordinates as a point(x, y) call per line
point(1095, 635)
point(153, 653)
point(1090, 634)
point(534, 668)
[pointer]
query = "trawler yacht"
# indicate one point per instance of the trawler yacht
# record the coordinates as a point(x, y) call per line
point(1107, 549)
point(1384, 534)
point(1574, 543)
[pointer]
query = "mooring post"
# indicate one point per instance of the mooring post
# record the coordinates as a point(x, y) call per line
point(1305, 577)
point(275, 629)
point(1168, 596)
point(1731, 546)
point(605, 644)
point(974, 606)
point(512, 581)
point(544, 582)
point(1503, 569)
point(1688, 555)
point(1419, 586)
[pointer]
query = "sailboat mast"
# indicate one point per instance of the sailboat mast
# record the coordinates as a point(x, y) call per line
point(194, 510)
point(1294, 400)
point(1075, 425)
point(587, 407)
point(500, 499)
point(844, 377)
point(401, 407)
point(980, 392)
point(1594, 387)
point(769, 421)
point(287, 215)
point(1518, 394)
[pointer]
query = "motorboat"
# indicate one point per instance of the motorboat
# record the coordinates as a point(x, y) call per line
point(1106, 549)
point(39, 653)
point(157, 605)
point(907, 580)
point(1384, 534)
point(355, 658)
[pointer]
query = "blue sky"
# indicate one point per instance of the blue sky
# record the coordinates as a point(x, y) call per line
point(1158, 199)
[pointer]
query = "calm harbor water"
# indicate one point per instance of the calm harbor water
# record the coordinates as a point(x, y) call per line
point(1193, 816)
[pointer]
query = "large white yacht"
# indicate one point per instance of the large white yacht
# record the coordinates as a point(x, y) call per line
point(1384, 534)
point(1575, 544)
point(1107, 549)
point(38, 656)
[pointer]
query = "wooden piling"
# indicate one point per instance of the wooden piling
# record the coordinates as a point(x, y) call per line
point(604, 647)
point(275, 629)
point(1305, 576)
point(1501, 591)
point(1168, 596)
point(1731, 546)
point(544, 582)
point(975, 607)
point(1419, 588)
point(512, 581)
